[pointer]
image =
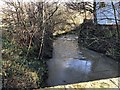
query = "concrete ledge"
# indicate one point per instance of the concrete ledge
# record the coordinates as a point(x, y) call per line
point(104, 83)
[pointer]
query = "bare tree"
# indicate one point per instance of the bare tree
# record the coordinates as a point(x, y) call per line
point(81, 7)
point(116, 20)
point(30, 22)
point(94, 12)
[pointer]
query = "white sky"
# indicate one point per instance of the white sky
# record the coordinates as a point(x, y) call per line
point(2, 4)
point(47, 0)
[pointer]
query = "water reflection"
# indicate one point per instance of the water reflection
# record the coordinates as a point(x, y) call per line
point(69, 65)
point(78, 65)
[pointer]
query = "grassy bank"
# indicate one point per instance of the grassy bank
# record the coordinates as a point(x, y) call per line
point(20, 71)
point(23, 68)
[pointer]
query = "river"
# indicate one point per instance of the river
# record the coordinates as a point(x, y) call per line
point(72, 64)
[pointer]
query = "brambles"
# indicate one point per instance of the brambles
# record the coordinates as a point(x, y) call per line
point(100, 38)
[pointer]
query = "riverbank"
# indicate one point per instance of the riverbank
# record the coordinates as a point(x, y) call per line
point(21, 67)
point(100, 38)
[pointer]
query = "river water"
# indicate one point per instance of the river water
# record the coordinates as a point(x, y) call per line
point(72, 64)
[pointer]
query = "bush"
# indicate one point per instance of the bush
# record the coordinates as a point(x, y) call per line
point(22, 70)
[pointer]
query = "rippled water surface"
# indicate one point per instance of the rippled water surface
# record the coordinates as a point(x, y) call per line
point(71, 64)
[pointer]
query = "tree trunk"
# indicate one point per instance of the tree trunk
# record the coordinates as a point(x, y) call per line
point(115, 15)
point(94, 12)
point(40, 56)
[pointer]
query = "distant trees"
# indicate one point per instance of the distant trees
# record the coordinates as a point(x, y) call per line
point(81, 7)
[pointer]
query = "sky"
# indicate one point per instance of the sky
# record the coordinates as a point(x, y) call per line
point(47, 0)
point(2, 3)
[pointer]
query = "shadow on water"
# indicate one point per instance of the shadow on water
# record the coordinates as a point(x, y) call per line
point(72, 64)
